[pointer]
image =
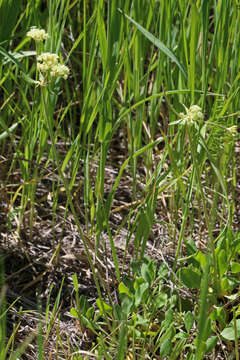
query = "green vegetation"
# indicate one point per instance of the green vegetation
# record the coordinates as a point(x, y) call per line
point(119, 179)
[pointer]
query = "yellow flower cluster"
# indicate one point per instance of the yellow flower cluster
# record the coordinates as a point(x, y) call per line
point(37, 34)
point(60, 70)
point(48, 63)
point(231, 134)
point(193, 114)
point(233, 130)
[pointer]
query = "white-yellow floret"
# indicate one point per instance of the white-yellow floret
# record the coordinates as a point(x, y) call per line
point(193, 114)
point(60, 70)
point(48, 63)
point(37, 34)
point(233, 130)
point(47, 60)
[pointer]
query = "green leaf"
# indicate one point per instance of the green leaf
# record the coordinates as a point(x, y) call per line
point(160, 300)
point(191, 247)
point(16, 56)
point(102, 36)
point(178, 348)
point(219, 314)
point(9, 12)
point(103, 306)
point(123, 289)
point(142, 321)
point(168, 319)
point(140, 292)
point(83, 304)
point(138, 282)
point(127, 304)
point(90, 312)
point(208, 329)
point(7, 56)
point(75, 282)
point(146, 273)
point(188, 321)
point(158, 44)
point(29, 80)
point(235, 267)
point(74, 313)
point(163, 271)
point(190, 278)
point(10, 130)
point(166, 348)
point(135, 266)
point(118, 313)
point(211, 343)
point(228, 333)
point(222, 262)
point(201, 258)
point(96, 107)
point(152, 267)
point(226, 286)
point(122, 347)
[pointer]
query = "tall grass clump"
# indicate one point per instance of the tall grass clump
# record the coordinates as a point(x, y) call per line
point(129, 111)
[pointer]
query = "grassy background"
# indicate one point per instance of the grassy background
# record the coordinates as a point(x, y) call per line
point(107, 141)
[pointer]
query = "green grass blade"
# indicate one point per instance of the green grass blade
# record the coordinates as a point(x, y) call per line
point(9, 12)
point(158, 44)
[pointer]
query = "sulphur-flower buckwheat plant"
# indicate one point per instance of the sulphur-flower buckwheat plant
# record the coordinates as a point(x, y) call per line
point(37, 34)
